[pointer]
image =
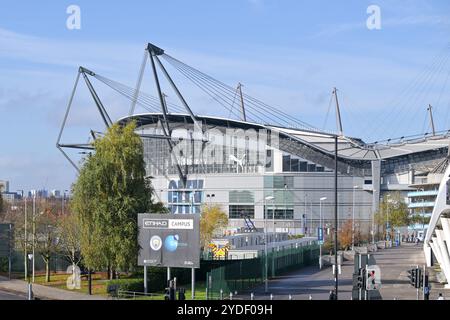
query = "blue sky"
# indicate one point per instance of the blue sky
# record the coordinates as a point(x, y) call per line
point(289, 54)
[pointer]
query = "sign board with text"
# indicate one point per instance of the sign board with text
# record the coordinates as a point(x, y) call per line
point(169, 240)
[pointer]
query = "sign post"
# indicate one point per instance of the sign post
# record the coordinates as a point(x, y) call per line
point(169, 241)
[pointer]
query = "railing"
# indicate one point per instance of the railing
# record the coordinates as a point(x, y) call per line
point(122, 294)
point(421, 204)
point(422, 193)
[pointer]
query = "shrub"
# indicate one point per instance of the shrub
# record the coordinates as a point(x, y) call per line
point(136, 285)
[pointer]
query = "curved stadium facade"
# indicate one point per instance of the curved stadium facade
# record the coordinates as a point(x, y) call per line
point(271, 167)
point(255, 170)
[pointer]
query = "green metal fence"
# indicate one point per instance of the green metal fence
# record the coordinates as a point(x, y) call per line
point(244, 274)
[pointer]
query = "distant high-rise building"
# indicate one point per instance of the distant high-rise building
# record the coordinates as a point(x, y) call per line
point(4, 186)
point(38, 193)
point(55, 193)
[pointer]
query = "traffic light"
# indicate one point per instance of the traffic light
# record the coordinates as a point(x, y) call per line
point(169, 292)
point(419, 279)
point(360, 279)
point(412, 277)
point(415, 277)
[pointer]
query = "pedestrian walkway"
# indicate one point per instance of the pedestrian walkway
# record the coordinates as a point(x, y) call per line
point(312, 283)
point(305, 284)
point(394, 264)
point(45, 292)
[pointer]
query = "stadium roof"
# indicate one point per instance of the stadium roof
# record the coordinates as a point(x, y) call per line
point(349, 148)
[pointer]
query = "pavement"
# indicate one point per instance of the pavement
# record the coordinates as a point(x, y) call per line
point(306, 282)
point(18, 288)
point(5, 295)
point(394, 263)
point(312, 283)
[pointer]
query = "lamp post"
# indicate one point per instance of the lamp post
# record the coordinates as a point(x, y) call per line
point(353, 218)
point(321, 230)
point(63, 199)
point(373, 223)
point(423, 215)
point(268, 198)
point(388, 227)
point(34, 232)
point(304, 219)
point(25, 236)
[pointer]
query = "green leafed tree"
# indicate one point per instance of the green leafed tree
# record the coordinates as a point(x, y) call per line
point(394, 209)
point(110, 191)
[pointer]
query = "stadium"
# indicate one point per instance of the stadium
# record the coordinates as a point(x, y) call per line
point(261, 163)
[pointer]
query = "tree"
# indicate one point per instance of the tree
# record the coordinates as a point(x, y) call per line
point(345, 236)
point(109, 193)
point(212, 219)
point(46, 232)
point(70, 237)
point(394, 210)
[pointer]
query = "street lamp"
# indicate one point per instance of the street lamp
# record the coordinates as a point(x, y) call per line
point(25, 236)
point(304, 218)
point(30, 288)
point(63, 198)
point(388, 227)
point(268, 198)
point(353, 218)
point(321, 231)
point(34, 231)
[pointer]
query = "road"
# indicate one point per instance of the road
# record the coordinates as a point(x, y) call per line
point(305, 282)
point(393, 263)
point(5, 295)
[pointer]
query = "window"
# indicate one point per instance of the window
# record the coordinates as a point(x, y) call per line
point(241, 211)
point(311, 167)
point(303, 166)
point(286, 163)
point(367, 181)
point(295, 167)
point(280, 213)
point(243, 196)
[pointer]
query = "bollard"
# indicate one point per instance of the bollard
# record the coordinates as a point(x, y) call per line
point(231, 295)
point(271, 296)
point(30, 291)
point(221, 294)
point(252, 296)
point(290, 297)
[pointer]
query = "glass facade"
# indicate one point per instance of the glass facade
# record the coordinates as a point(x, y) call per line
point(280, 213)
point(187, 199)
point(241, 211)
point(292, 164)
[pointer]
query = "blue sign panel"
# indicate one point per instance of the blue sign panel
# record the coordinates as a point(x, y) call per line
point(320, 235)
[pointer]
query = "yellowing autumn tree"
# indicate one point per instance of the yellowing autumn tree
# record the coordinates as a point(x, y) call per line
point(212, 219)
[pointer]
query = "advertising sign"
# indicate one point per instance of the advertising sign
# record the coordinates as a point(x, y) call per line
point(169, 240)
point(320, 235)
